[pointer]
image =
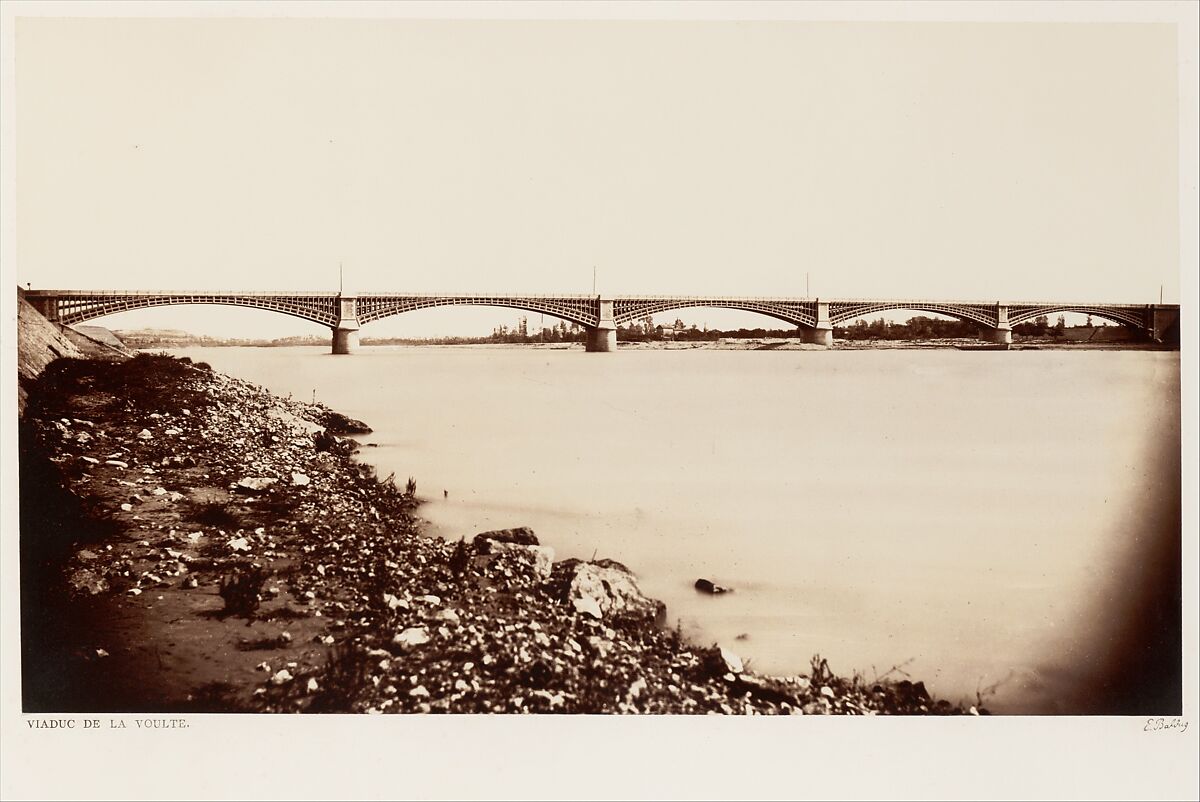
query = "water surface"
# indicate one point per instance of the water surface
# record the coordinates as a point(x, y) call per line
point(989, 522)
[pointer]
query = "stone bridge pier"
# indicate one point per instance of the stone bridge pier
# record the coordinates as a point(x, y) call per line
point(1163, 324)
point(822, 333)
point(345, 333)
point(603, 336)
point(1002, 334)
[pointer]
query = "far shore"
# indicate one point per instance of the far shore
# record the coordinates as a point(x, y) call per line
point(737, 344)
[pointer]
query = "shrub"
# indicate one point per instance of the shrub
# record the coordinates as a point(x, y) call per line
point(241, 590)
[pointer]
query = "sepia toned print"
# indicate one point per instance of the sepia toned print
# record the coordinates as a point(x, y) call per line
point(579, 374)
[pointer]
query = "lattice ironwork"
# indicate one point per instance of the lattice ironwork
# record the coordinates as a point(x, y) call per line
point(581, 309)
point(984, 314)
point(1133, 315)
point(77, 307)
point(795, 312)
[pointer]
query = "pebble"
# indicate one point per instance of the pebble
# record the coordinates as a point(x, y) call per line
point(413, 636)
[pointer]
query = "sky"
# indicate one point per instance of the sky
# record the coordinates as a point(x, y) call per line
point(935, 160)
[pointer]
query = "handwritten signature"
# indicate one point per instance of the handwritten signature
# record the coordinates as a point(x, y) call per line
point(1163, 724)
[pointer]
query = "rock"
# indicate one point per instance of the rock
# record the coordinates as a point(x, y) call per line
point(116, 463)
point(255, 482)
point(300, 480)
point(541, 558)
point(239, 544)
point(281, 677)
point(337, 423)
point(520, 541)
point(732, 661)
point(126, 507)
point(521, 535)
point(88, 581)
point(605, 586)
point(589, 605)
point(144, 434)
point(708, 586)
point(90, 460)
point(393, 601)
point(413, 636)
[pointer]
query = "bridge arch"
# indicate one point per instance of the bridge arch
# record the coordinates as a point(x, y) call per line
point(795, 313)
point(80, 307)
point(1132, 316)
point(581, 309)
point(983, 314)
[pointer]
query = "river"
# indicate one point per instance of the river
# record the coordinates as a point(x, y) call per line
point(987, 522)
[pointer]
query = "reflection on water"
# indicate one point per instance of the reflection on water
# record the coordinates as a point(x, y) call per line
point(974, 519)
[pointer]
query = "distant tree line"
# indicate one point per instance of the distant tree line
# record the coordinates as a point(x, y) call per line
point(643, 330)
point(1040, 327)
point(915, 328)
point(171, 339)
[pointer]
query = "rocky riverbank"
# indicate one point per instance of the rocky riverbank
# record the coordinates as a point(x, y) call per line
point(191, 542)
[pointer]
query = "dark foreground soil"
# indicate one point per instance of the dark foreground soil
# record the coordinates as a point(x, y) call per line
point(191, 543)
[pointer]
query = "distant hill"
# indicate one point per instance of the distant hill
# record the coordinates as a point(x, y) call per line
point(174, 338)
point(158, 333)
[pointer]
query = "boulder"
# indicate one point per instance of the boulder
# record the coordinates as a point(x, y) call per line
point(707, 586)
point(605, 587)
point(87, 581)
point(255, 482)
point(733, 663)
point(521, 535)
point(514, 552)
point(337, 423)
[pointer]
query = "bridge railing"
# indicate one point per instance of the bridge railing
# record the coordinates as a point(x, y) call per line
point(509, 295)
point(212, 293)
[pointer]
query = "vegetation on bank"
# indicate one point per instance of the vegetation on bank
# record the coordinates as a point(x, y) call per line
point(205, 545)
